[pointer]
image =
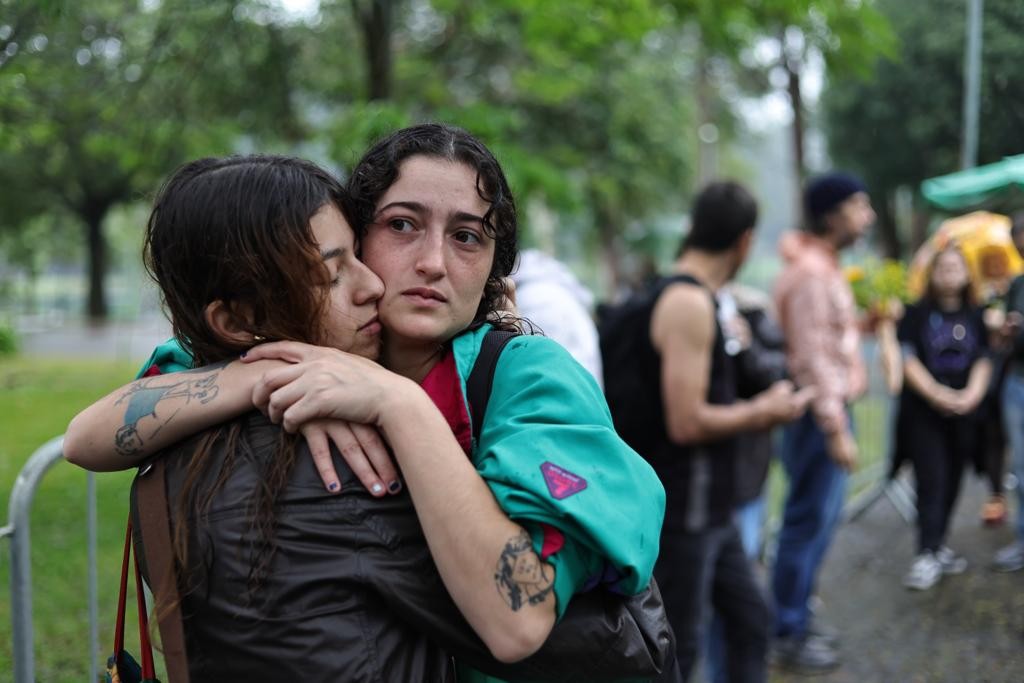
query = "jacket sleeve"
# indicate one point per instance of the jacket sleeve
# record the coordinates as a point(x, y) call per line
point(168, 357)
point(550, 454)
point(811, 345)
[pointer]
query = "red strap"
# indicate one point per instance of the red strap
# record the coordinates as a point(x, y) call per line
point(148, 670)
point(122, 594)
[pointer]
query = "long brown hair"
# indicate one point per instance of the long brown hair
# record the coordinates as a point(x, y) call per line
point(968, 295)
point(237, 229)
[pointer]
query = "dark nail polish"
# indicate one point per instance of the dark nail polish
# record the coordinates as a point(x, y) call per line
point(333, 486)
point(395, 486)
point(243, 354)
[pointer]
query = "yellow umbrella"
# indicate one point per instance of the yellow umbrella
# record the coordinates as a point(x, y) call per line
point(984, 239)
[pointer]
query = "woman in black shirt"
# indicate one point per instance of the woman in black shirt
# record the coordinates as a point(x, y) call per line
point(946, 369)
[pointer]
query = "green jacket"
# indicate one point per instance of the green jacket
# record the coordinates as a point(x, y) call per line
point(546, 410)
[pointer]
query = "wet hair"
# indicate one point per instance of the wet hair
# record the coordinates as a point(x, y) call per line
point(379, 168)
point(237, 229)
point(722, 212)
point(967, 294)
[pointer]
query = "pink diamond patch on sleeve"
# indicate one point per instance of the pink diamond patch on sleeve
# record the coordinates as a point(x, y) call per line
point(561, 482)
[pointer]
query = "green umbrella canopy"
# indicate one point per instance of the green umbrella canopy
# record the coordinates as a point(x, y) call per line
point(998, 186)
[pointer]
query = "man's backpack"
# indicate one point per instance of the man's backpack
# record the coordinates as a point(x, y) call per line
point(632, 381)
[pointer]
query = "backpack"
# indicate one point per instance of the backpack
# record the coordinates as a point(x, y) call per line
point(632, 379)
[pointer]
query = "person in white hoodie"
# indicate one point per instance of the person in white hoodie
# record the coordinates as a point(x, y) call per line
point(559, 305)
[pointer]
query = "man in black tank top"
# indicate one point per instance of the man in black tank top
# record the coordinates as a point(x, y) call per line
point(702, 564)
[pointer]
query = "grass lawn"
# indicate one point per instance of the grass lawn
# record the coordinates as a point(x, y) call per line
point(37, 399)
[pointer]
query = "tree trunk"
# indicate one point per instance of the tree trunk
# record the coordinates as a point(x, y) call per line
point(375, 18)
point(96, 303)
point(888, 234)
point(918, 227)
point(797, 102)
point(611, 252)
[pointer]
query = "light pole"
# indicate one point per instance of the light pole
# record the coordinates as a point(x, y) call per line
point(972, 85)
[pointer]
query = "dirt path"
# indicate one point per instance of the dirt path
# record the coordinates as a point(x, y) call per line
point(968, 629)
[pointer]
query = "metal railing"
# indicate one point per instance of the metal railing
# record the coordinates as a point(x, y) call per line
point(875, 426)
point(17, 528)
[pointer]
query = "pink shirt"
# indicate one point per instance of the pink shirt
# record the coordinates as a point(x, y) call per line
point(819, 317)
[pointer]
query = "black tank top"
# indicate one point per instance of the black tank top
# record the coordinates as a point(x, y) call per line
point(698, 478)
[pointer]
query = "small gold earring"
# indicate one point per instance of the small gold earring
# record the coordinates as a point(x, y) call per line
point(258, 338)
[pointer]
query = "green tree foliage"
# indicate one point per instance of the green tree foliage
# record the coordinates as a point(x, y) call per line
point(848, 35)
point(584, 101)
point(589, 103)
point(103, 98)
point(902, 124)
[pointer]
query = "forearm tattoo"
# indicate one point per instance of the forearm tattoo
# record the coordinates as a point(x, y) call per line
point(145, 396)
point(521, 576)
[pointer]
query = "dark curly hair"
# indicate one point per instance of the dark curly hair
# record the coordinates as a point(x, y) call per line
point(378, 170)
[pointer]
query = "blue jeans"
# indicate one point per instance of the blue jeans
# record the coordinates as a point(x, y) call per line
point(817, 488)
point(1013, 424)
point(749, 519)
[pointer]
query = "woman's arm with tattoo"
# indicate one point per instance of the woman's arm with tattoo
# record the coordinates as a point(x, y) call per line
point(486, 560)
point(137, 420)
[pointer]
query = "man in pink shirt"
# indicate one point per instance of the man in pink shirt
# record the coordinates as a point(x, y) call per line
point(818, 316)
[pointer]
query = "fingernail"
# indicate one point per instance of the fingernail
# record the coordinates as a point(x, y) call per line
point(377, 488)
point(333, 486)
point(243, 354)
point(395, 486)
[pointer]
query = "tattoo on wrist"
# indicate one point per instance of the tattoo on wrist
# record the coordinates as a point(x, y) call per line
point(145, 396)
point(521, 577)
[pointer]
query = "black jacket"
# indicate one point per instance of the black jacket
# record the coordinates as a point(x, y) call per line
point(352, 593)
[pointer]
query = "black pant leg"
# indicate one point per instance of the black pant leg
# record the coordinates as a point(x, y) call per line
point(929, 454)
point(963, 438)
point(741, 603)
point(684, 572)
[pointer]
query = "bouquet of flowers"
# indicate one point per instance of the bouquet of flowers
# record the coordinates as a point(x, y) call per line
point(879, 287)
point(880, 290)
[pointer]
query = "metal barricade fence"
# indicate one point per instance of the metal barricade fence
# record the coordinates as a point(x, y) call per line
point(874, 424)
point(17, 528)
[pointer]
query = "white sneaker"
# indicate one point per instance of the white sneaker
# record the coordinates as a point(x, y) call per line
point(924, 573)
point(950, 561)
point(1009, 558)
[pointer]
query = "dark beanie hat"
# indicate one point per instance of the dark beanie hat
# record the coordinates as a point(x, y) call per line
point(828, 191)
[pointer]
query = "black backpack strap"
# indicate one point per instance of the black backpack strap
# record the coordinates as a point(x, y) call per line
point(481, 377)
point(682, 277)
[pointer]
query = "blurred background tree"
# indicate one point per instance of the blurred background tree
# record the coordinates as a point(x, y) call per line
point(901, 124)
point(100, 101)
point(607, 114)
